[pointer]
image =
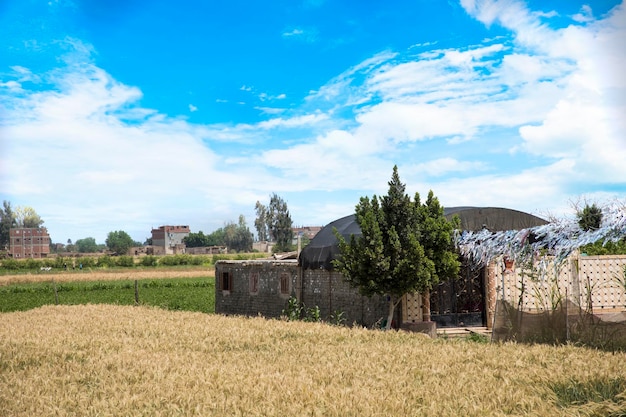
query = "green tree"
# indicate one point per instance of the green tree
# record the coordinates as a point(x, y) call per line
point(26, 216)
point(279, 224)
point(260, 224)
point(119, 242)
point(7, 221)
point(216, 238)
point(86, 245)
point(238, 236)
point(590, 217)
point(404, 246)
point(196, 240)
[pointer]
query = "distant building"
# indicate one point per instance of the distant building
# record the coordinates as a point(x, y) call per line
point(206, 250)
point(168, 240)
point(29, 242)
point(306, 231)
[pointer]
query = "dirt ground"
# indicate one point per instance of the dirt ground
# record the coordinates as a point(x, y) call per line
point(99, 275)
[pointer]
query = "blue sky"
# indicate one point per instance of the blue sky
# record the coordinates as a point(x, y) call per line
point(131, 114)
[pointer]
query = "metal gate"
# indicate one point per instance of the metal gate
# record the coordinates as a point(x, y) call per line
point(460, 302)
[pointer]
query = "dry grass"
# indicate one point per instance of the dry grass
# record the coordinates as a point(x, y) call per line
point(102, 360)
point(100, 275)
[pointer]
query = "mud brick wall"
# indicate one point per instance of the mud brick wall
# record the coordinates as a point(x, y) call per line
point(329, 291)
point(263, 287)
point(256, 287)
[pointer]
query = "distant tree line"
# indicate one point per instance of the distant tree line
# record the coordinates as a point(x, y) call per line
point(235, 236)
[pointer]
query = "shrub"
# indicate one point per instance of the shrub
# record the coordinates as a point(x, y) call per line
point(87, 261)
point(60, 262)
point(169, 260)
point(181, 259)
point(10, 264)
point(199, 260)
point(293, 310)
point(149, 260)
point(31, 263)
point(49, 262)
point(220, 257)
point(125, 261)
point(105, 261)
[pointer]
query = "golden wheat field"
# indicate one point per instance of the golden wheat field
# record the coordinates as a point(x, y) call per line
point(100, 275)
point(105, 360)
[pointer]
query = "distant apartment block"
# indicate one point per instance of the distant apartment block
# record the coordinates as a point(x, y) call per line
point(168, 240)
point(27, 242)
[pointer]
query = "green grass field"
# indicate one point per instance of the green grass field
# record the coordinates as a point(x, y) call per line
point(190, 294)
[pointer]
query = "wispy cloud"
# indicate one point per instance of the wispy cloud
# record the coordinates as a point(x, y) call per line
point(270, 110)
point(307, 35)
point(585, 14)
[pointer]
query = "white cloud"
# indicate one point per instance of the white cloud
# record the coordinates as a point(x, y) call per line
point(270, 110)
point(192, 108)
point(585, 14)
point(308, 35)
point(293, 32)
point(521, 121)
point(70, 144)
point(309, 119)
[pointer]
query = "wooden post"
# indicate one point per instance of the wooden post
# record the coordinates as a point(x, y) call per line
point(491, 292)
point(56, 294)
point(136, 292)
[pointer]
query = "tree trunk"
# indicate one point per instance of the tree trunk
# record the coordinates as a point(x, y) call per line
point(393, 302)
point(392, 307)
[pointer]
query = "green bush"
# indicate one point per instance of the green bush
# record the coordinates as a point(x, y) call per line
point(181, 259)
point(31, 263)
point(105, 261)
point(49, 262)
point(125, 261)
point(169, 260)
point(60, 262)
point(87, 261)
point(149, 260)
point(10, 264)
point(200, 260)
point(220, 257)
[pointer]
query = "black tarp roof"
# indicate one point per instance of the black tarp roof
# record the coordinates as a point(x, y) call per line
point(323, 248)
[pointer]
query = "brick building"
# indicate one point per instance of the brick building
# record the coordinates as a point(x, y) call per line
point(264, 287)
point(27, 242)
point(168, 240)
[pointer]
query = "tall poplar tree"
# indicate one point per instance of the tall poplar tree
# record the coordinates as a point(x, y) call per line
point(279, 223)
point(404, 247)
point(7, 221)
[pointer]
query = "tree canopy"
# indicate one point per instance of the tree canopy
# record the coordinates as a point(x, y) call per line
point(260, 224)
point(274, 222)
point(590, 217)
point(119, 242)
point(405, 246)
point(237, 236)
point(26, 216)
point(86, 245)
point(7, 221)
point(280, 224)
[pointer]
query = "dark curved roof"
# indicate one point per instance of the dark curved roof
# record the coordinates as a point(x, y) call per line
point(323, 248)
